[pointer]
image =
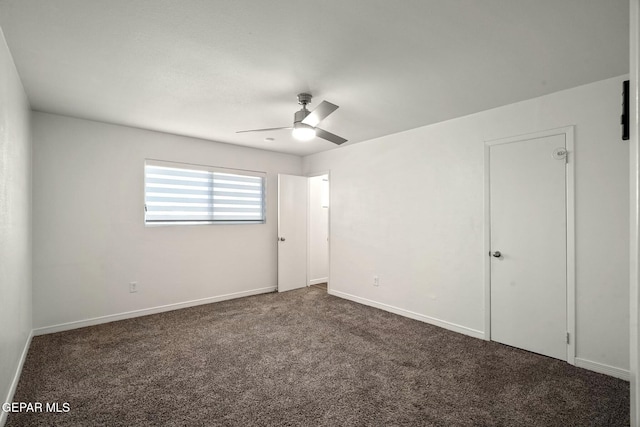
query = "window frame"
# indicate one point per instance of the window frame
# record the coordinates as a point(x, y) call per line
point(207, 168)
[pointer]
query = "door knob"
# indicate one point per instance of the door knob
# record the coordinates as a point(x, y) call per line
point(281, 239)
point(496, 254)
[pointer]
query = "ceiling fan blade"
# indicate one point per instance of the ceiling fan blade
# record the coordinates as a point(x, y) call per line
point(321, 133)
point(320, 113)
point(262, 130)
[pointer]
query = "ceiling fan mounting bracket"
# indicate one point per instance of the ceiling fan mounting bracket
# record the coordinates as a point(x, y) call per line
point(304, 99)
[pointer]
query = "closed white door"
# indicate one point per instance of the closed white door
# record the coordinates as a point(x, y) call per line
point(529, 245)
point(292, 232)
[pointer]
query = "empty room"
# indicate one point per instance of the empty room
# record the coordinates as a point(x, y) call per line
point(332, 213)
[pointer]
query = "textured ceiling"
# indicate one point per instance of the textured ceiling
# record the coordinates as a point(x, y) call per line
point(210, 68)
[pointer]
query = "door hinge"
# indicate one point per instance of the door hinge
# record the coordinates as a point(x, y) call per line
point(561, 153)
point(567, 337)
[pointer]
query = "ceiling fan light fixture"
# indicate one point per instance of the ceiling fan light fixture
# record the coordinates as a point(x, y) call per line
point(303, 132)
point(305, 122)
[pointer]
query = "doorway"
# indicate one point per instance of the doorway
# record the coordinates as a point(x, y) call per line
point(318, 262)
point(529, 243)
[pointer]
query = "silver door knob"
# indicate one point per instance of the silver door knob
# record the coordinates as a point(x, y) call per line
point(281, 239)
point(496, 254)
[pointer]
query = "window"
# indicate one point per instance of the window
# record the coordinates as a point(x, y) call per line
point(178, 193)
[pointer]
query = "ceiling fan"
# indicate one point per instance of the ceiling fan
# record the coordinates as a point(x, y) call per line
point(305, 122)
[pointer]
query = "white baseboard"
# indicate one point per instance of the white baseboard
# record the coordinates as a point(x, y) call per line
point(317, 281)
point(147, 311)
point(581, 363)
point(16, 379)
point(410, 314)
point(601, 368)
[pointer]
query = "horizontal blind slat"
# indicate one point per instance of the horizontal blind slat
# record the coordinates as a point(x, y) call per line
point(159, 170)
point(239, 188)
point(236, 178)
point(169, 218)
point(235, 194)
point(170, 198)
point(202, 209)
point(200, 182)
point(239, 210)
point(152, 191)
point(237, 218)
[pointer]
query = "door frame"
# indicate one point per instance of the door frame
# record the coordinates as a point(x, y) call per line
point(569, 133)
point(311, 175)
point(634, 172)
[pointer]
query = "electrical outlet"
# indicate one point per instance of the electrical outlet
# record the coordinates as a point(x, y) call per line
point(133, 287)
point(376, 281)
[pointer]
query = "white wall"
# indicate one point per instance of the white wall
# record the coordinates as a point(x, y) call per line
point(409, 208)
point(15, 223)
point(90, 240)
point(318, 229)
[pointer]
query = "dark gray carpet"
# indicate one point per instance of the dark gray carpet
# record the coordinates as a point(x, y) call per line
point(303, 358)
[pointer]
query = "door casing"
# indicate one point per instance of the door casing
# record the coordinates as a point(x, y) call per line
point(568, 132)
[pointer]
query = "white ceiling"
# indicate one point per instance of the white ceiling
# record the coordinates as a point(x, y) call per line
point(210, 68)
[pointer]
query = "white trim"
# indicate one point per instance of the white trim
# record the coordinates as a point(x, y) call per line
point(601, 368)
point(278, 231)
point(571, 243)
point(16, 379)
point(533, 135)
point(410, 314)
point(147, 311)
point(634, 233)
point(317, 281)
point(487, 247)
point(568, 132)
point(329, 231)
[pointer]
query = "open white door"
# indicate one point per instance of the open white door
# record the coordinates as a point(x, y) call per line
point(292, 232)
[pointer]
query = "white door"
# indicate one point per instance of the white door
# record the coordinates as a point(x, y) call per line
point(292, 232)
point(528, 245)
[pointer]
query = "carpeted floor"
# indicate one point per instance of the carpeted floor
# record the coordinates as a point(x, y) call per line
point(303, 358)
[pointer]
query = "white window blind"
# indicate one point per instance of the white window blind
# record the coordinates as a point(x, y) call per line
point(200, 194)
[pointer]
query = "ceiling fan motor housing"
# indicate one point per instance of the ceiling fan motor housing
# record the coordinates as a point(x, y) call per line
point(303, 99)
